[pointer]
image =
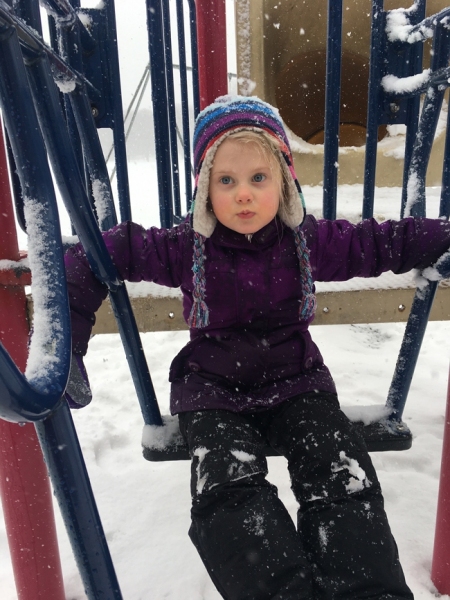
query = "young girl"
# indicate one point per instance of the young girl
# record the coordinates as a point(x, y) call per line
point(245, 261)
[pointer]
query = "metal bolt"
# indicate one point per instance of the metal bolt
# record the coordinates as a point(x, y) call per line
point(171, 315)
point(325, 309)
point(401, 307)
point(394, 107)
point(95, 112)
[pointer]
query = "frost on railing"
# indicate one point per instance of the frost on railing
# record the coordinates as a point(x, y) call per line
point(102, 201)
point(400, 29)
point(47, 338)
point(405, 85)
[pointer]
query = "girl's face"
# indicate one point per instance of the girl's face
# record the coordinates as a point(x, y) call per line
point(244, 188)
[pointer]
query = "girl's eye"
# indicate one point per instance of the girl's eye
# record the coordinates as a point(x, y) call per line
point(259, 177)
point(225, 180)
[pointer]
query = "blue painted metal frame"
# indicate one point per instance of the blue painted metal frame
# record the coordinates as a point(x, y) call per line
point(332, 108)
point(402, 60)
point(40, 400)
point(165, 124)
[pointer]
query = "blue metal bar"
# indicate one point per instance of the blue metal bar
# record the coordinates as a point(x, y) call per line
point(427, 128)
point(134, 352)
point(184, 104)
point(423, 300)
point(444, 207)
point(370, 161)
point(120, 151)
point(194, 56)
point(95, 160)
point(160, 109)
point(66, 16)
point(171, 106)
point(73, 491)
point(413, 109)
point(36, 182)
point(332, 108)
point(410, 349)
point(74, 196)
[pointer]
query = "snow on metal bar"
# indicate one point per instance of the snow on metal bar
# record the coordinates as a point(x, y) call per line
point(31, 42)
point(399, 28)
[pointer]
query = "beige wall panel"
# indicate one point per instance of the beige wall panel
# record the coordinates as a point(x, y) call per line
point(281, 58)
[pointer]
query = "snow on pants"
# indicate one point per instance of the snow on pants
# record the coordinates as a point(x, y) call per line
point(342, 548)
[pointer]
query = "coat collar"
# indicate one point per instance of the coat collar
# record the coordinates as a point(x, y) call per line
point(223, 236)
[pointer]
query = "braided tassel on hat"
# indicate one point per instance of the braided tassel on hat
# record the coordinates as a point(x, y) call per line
point(199, 316)
point(309, 302)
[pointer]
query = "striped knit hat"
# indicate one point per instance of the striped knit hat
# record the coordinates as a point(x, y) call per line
point(227, 115)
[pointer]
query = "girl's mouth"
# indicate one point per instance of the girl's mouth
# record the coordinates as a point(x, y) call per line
point(246, 214)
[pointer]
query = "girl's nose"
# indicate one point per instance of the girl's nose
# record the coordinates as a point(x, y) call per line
point(244, 194)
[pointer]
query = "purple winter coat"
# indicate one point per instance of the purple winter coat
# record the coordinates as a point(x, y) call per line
point(255, 353)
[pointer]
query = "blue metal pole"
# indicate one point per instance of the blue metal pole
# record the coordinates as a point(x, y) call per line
point(94, 158)
point(120, 150)
point(370, 162)
point(171, 106)
point(423, 300)
point(332, 108)
point(160, 109)
point(194, 56)
point(73, 491)
point(410, 349)
point(74, 196)
point(427, 127)
point(413, 109)
point(184, 104)
point(37, 186)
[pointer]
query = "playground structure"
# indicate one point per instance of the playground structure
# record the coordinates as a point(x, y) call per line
point(36, 127)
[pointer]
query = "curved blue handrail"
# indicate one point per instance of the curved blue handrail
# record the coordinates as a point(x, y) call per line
point(33, 397)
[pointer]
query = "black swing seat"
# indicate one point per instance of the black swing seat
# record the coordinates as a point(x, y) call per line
point(165, 443)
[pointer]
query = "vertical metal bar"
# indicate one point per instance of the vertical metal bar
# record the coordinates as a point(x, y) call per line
point(194, 55)
point(423, 300)
point(76, 500)
point(413, 108)
point(134, 352)
point(184, 104)
point(95, 160)
point(120, 150)
point(370, 161)
point(444, 207)
point(416, 201)
point(77, 204)
point(81, 111)
point(332, 108)
point(171, 106)
point(160, 109)
point(410, 349)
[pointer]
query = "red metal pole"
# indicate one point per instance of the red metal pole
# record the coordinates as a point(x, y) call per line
point(440, 568)
point(212, 50)
point(24, 484)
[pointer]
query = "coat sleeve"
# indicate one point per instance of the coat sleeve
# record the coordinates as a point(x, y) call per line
point(341, 250)
point(139, 255)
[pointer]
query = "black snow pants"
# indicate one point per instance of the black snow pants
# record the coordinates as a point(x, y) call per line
point(342, 548)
